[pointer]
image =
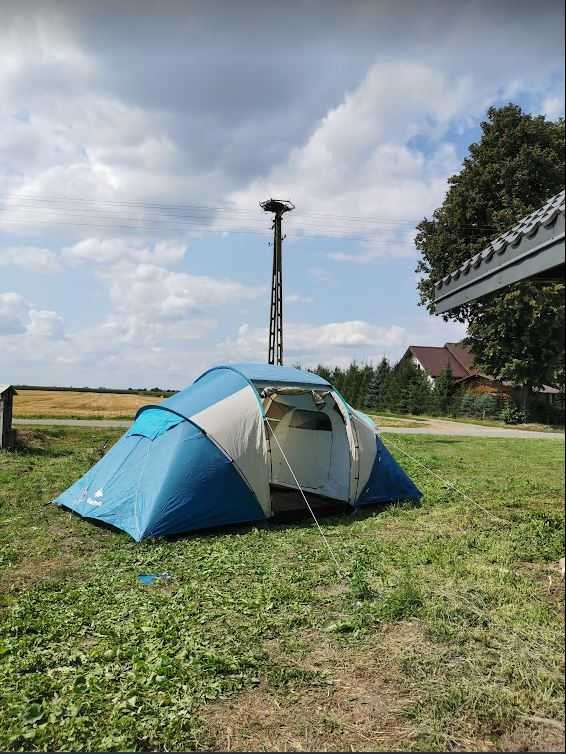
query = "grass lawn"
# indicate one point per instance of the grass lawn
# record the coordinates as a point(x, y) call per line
point(446, 633)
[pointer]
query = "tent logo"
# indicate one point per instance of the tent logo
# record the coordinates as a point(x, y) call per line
point(95, 502)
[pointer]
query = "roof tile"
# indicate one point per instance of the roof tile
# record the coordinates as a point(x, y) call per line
point(527, 227)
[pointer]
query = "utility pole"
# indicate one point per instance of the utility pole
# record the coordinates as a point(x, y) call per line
point(275, 353)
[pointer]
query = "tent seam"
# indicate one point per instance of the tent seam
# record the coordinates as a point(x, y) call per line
point(205, 433)
point(242, 375)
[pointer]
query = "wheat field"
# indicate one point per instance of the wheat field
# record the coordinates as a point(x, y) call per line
point(64, 404)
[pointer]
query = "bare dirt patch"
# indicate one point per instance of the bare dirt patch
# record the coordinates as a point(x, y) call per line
point(59, 553)
point(358, 707)
point(535, 736)
point(33, 570)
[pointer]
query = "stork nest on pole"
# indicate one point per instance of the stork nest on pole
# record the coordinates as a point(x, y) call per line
point(279, 206)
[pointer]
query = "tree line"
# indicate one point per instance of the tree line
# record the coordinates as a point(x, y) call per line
point(401, 388)
point(404, 388)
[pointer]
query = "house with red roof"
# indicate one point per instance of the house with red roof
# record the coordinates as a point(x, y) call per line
point(434, 360)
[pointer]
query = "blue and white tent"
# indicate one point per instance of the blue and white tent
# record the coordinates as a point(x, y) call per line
point(211, 454)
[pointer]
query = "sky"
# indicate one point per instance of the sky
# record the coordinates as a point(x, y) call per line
point(138, 138)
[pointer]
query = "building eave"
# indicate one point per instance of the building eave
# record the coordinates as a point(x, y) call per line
point(533, 248)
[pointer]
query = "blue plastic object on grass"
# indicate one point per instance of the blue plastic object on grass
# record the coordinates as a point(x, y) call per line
point(147, 578)
point(151, 578)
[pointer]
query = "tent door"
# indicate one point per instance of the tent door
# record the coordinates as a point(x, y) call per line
point(306, 438)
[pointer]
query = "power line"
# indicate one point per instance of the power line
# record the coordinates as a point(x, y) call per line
point(196, 210)
point(195, 228)
point(161, 228)
point(78, 218)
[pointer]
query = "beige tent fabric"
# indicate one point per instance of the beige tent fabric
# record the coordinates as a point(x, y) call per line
point(315, 442)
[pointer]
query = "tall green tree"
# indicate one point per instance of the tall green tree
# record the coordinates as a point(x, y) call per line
point(324, 372)
point(517, 333)
point(409, 390)
point(366, 373)
point(443, 390)
point(376, 391)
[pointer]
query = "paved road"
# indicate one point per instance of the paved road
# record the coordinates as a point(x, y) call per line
point(433, 427)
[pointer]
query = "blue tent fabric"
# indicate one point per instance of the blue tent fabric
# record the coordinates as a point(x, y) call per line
point(387, 481)
point(178, 482)
point(272, 373)
point(167, 475)
point(210, 388)
point(154, 421)
point(107, 491)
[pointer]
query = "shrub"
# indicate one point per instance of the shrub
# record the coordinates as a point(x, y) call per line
point(486, 405)
point(468, 404)
point(512, 414)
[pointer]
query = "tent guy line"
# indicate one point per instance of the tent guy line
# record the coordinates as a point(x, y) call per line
point(326, 542)
point(448, 483)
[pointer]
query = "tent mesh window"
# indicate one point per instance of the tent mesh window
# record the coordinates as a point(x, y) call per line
point(277, 411)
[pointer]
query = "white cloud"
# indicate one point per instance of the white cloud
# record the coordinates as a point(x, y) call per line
point(339, 343)
point(308, 343)
point(33, 258)
point(83, 120)
point(97, 157)
point(553, 107)
point(13, 313)
point(152, 292)
point(121, 350)
point(116, 250)
point(125, 349)
point(374, 185)
point(18, 319)
point(297, 298)
point(154, 314)
point(46, 324)
point(346, 334)
point(151, 304)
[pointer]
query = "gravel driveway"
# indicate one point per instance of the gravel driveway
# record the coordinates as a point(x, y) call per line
point(462, 429)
